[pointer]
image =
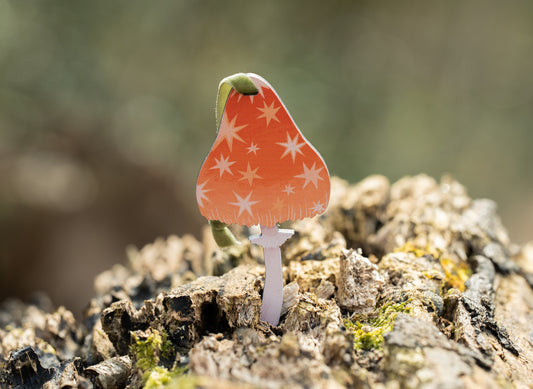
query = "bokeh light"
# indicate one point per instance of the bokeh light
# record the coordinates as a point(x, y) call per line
point(107, 112)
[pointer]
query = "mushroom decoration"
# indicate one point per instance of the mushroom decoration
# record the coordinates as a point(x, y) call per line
point(260, 170)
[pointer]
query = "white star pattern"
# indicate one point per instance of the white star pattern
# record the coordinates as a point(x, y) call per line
point(200, 193)
point(269, 112)
point(253, 148)
point(249, 174)
point(228, 131)
point(310, 175)
point(317, 207)
point(245, 179)
point(292, 146)
point(289, 189)
point(223, 165)
point(235, 93)
point(244, 204)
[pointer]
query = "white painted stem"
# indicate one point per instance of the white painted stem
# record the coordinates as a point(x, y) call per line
point(271, 240)
point(273, 292)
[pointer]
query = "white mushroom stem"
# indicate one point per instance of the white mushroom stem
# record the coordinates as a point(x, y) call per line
point(271, 240)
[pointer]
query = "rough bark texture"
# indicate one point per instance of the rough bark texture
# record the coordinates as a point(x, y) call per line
point(410, 285)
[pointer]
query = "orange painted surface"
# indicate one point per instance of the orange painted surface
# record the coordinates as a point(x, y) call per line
point(261, 169)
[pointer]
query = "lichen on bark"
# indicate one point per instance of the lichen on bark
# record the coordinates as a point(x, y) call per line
point(438, 297)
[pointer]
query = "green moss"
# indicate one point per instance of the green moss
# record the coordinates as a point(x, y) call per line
point(183, 382)
point(410, 247)
point(368, 334)
point(45, 347)
point(456, 272)
point(159, 377)
point(147, 352)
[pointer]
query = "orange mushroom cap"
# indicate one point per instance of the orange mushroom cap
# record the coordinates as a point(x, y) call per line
point(261, 169)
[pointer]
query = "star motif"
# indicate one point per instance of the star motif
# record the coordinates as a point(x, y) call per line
point(244, 204)
point(249, 174)
point(223, 165)
point(288, 189)
point(317, 207)
point(253, 148)
point(228, 131)
point(292, 146)
point(278, 205)
point(200, 193)
point(269, 112)
point(310, 175)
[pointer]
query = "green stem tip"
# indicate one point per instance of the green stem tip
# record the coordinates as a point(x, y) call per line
point(222, 234)
point(241, 83)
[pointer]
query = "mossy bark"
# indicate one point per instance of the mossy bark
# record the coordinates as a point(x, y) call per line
point(438, 297)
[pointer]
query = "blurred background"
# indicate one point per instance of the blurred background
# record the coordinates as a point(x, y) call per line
point(107, 112)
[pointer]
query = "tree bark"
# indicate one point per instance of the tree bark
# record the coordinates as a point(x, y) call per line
point(409, 285)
